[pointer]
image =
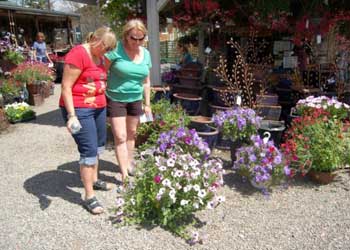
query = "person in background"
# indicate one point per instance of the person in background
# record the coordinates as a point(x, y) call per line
point(83, 102)
point(185, 56)
point(128, 91)
point(39, 49)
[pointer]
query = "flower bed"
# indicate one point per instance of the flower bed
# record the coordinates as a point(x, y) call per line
point(173, 181)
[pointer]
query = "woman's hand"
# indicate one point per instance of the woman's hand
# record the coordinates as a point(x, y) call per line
point(147, 109)
point(73, 120)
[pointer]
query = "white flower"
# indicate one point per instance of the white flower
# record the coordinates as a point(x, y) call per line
point(185, 167)
point(187, 188)
point(132, 201)
point(120, 202)
point(161, 191)
point(158, 197)
point(183, 202)
point(162, 168)
point(166, 183)
point(196, 187)
point(220, 199)
point(172, 193)
point(178, 186)
point(196, 205)
point(179, 173)
point(211, 205)
point(202, 193)
point(170, 162)
point(194, 163)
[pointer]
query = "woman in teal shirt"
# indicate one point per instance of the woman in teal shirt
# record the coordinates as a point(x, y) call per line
point(128, 90)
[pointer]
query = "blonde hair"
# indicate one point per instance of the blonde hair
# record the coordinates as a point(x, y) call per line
point(104, 33)
point(133, 24)
point(40, 34)
point(89, 37)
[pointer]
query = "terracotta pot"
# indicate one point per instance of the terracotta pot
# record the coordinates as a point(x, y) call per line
point(321, 177)
point(208, 134)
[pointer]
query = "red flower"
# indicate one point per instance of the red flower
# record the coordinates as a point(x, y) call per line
point(157, 179)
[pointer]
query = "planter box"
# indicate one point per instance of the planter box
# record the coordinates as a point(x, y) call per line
point(46, 89)
point(36, 99)
point(3, 121)
point(34, 89)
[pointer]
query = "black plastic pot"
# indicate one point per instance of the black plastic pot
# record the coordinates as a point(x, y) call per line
point(275, 128)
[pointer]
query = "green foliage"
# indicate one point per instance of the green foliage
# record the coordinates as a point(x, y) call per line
point(316, 141)
point(9, 89)
point(118, 11)
point(326, 145)
point(31, 73)
point(17, 112)
point(14, 56)
point(166, 117)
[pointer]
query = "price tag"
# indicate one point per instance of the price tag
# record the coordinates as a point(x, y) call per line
point(146, 118)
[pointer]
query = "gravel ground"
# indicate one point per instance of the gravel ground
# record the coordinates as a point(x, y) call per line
point(41, 203)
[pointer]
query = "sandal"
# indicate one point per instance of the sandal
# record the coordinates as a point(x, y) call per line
point(101, 185)
point(92, 206)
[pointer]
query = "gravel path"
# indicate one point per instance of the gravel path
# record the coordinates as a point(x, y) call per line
point(42, 194)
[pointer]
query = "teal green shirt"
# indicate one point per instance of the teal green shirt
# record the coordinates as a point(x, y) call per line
point(125, 78)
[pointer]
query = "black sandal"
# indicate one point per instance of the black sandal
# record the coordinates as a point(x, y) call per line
point(101, 185)
point(92, 204)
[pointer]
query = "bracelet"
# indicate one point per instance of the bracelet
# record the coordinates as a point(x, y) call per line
point(70, 116)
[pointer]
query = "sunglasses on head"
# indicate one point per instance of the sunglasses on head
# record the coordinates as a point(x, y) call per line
point(137, 39)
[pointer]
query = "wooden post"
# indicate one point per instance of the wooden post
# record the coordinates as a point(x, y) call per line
point(153, 37)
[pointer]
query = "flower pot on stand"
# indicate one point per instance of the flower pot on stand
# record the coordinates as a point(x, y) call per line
point(321, 177)
point(222, 142)
point(234, 145)
point(221, 96)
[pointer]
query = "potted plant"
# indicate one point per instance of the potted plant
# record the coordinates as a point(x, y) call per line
point(315, 144)
point(261, 162)
point(38, 79)
point(11, 91)
point(237, 124)
point(19, 112)
point(171, 183)
point(167, 116)
point(336, 109)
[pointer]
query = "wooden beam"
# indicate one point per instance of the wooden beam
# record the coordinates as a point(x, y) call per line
point(88, 2)
point(161, 4)
point(154, 44)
